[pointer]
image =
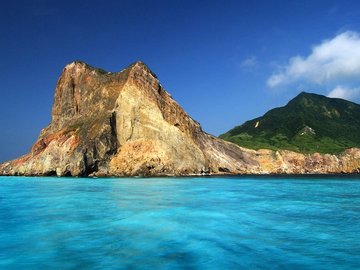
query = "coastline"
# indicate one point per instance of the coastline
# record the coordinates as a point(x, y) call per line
point(272, 175)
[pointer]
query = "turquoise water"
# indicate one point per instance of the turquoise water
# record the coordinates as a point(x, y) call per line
point(179, 223)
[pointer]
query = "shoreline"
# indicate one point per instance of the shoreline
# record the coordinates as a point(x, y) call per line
point(281, 176)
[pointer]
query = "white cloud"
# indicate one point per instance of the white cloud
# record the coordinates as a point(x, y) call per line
point(344, 93)
point(333, 61)
point(249, 62)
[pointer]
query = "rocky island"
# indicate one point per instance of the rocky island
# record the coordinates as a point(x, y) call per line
point(127, 124)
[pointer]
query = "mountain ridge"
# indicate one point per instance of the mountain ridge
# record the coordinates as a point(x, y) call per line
point(308, 123)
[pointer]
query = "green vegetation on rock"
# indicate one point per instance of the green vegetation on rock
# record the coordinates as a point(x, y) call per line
point(308, 123)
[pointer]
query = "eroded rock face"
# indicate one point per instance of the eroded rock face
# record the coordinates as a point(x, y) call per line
point(125, 123)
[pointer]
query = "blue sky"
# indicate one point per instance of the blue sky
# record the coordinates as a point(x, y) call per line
point(225, 62)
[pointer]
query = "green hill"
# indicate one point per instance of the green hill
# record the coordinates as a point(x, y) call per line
point(308, 123)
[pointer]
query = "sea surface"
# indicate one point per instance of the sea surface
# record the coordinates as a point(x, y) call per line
point(180, 223)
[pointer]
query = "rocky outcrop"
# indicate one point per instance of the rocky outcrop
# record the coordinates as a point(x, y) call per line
point(288, 162)
point(125, 123)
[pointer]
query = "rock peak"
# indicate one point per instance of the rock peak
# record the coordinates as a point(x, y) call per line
point(140, 65)
point(76, 64)
point(81, 65)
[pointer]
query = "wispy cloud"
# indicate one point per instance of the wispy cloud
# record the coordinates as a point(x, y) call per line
point(333, 61)
point(344, 93)
point(249, 62)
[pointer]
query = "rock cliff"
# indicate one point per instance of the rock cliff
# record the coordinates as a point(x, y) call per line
point(126, 124)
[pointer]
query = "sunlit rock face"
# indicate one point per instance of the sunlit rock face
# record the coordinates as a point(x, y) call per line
point(126, 124)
